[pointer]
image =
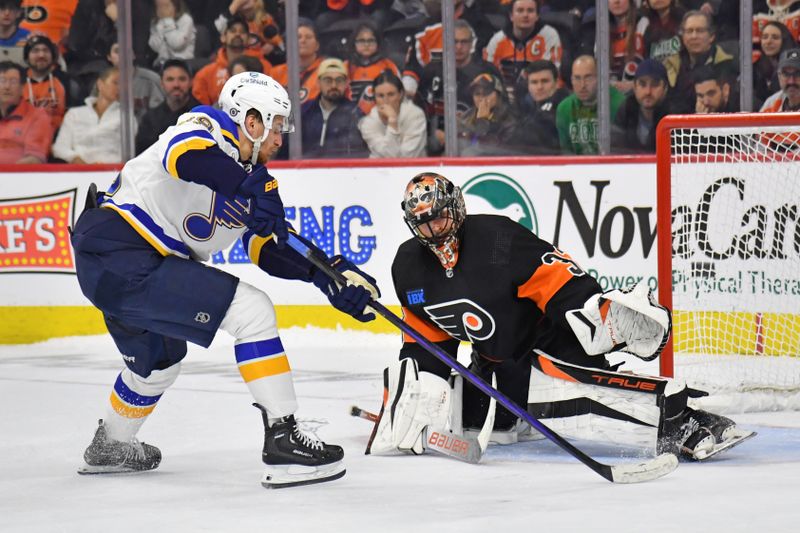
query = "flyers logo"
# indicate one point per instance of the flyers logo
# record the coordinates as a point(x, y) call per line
point(462, 319)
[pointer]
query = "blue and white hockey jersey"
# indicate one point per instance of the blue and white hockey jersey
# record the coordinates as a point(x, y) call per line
point(179, 194)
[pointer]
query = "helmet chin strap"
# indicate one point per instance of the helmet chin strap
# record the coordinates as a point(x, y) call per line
point(256, 142)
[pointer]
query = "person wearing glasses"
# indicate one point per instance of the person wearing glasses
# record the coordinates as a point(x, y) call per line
point(330, 121)
point(25, 130)
point(698, 48)
point(366, 63)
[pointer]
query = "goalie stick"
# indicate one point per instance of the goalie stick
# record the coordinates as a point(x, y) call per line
point(620, 473)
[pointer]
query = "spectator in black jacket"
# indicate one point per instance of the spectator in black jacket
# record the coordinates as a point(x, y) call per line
point(713, 87)
point(634, 129)
point(330, 122)
point(176, 80)
point(775, 39)
point(537, 133)
point(93, 31)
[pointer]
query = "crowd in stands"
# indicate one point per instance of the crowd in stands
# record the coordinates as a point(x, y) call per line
point(371, 71)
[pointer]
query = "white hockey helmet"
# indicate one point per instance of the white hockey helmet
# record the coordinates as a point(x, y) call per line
point(253, 90)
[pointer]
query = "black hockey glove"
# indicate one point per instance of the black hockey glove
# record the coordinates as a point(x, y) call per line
point(354, 297)
point(266, 216)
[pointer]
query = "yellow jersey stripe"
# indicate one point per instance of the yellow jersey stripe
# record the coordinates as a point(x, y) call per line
point(192, 143)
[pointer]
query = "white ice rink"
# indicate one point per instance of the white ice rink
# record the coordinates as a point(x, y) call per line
point(53, 393)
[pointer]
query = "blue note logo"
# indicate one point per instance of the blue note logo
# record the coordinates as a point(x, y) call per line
point(223, 212)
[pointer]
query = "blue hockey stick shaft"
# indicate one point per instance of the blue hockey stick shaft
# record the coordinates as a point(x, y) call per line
point(616, 473)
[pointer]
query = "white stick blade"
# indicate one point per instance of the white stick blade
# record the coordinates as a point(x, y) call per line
point(646, 471)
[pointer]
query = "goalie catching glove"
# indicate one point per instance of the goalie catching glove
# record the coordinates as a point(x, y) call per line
point(353, 297)
point(627, 320)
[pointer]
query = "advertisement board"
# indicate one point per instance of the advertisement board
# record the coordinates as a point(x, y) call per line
point(600, 210)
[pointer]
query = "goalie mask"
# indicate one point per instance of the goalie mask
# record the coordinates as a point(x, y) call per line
point(433, 209)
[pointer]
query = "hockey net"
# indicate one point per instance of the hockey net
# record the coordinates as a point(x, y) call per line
point(729, 256)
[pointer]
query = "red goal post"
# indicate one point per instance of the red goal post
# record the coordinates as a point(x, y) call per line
point(723, 141)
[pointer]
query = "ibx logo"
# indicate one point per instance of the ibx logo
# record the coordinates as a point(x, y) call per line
point(462, 319)
point(498, 194)
point(415, 296)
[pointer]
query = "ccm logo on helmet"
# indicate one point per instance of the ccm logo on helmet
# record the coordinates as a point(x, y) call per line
point(462, 319)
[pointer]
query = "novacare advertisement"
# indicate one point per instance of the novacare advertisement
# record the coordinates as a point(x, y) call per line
point(603, 214)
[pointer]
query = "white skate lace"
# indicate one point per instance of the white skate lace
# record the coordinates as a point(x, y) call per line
point(135, 450)
point(305, 440)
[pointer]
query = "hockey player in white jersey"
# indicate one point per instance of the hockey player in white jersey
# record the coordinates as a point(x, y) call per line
point(138, 248)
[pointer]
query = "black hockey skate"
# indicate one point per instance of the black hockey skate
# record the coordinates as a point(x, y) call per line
point(703, 435)
point(293, 458)
point(107, 456)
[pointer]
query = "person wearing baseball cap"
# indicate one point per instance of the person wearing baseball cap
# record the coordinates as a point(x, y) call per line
point(330, 120)
point(788, 98)
point(634, 126)
point(46, 86)
point(489, 126)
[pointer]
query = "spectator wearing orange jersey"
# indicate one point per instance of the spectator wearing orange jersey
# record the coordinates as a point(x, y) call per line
point(428, 43)
point(524, 40)
point(46, 84)
point(308, 51)
point(264, 39)
point(49, 17)
point(25, 131)
point(365, 64)
point(626, 42)
point(209, 80)
point(430, 94)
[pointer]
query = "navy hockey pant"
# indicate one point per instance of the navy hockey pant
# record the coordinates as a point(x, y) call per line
point(151, 304)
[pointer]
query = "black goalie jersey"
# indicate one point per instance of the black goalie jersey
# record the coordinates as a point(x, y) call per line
point(508, 294)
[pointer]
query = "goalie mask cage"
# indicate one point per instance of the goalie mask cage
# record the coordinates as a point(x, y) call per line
point(729, 256)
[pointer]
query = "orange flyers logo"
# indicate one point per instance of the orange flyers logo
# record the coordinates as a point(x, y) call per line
point(34, 235)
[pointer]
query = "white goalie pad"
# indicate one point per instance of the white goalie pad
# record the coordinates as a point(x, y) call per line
point(602, 406)
point(627, 320)
point(413, 400)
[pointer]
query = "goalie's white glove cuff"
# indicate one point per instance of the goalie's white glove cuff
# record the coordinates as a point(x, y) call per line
point(627, 320)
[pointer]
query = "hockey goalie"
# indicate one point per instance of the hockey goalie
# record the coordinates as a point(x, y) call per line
point(540, 326)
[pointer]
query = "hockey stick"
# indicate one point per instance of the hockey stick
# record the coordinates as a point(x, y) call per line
point(621, 473)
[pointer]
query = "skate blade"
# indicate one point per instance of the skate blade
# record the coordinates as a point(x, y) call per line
point(284, 476)
point(86, 469)
point(735, 441)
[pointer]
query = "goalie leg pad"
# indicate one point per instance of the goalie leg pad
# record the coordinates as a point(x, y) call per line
point(413, 400)
point(596, 405)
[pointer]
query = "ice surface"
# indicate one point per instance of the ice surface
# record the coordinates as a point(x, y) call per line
point(53, 393)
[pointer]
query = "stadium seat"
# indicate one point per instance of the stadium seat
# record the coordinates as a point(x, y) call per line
point(334, 41)
point(398, 37)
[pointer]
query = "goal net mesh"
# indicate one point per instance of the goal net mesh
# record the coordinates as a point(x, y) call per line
point(735, 205)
